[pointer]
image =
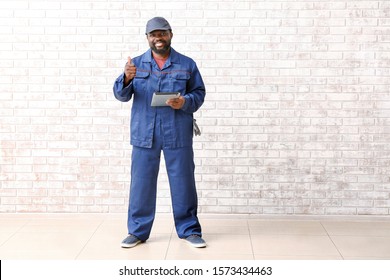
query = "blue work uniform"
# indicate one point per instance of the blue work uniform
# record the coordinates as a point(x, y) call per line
point(156, 129)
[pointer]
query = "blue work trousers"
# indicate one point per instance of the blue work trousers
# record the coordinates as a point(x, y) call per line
point(144, 172)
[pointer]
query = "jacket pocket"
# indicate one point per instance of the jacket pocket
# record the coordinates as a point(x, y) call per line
point(179, 81)
point(140, 81)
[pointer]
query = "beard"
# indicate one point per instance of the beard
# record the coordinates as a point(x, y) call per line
point(163, 49)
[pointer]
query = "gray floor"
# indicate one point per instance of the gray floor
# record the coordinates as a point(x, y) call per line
point(229, 237)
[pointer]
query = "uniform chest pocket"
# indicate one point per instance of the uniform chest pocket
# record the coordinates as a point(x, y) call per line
point(140, 81)
point(179, 81)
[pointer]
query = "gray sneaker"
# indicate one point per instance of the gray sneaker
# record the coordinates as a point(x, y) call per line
point(195, 241)
point(130, 241)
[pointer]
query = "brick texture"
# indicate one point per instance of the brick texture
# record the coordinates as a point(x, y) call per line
point(296, 118)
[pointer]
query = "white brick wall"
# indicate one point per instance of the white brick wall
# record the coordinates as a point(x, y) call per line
point(296, 119)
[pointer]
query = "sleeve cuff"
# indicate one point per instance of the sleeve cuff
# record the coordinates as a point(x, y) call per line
point(186, 104)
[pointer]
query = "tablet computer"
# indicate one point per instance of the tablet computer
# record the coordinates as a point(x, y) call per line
point(160, 98)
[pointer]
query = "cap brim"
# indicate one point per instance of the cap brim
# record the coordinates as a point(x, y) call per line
point(155, 29)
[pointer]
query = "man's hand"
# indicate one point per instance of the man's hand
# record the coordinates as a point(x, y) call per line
point(130, 71)
point(176, 103)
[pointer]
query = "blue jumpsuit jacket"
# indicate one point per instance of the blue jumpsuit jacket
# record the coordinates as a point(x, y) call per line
point(179, 74)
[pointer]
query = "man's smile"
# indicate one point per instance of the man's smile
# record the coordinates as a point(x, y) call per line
point(160, 44)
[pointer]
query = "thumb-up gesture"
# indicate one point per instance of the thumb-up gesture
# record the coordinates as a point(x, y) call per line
point(130, 71)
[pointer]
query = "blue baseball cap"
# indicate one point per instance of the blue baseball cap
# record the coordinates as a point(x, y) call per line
point(157, 23)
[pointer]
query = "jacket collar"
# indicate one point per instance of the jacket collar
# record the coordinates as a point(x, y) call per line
point(173, 57)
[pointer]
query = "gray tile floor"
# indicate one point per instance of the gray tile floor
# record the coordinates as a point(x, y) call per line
point(229, 237)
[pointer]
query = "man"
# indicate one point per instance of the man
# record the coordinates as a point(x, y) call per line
point(165, 128)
